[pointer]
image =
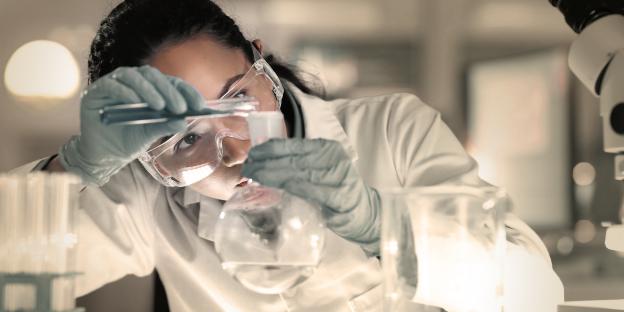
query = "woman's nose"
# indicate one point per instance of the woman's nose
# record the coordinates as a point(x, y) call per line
point(234, 151)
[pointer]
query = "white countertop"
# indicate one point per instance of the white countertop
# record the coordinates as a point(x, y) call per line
point(592, 306)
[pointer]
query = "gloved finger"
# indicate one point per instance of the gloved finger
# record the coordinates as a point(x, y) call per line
point(336, 221)
point(278, 178)
point(338, 197)
point(344, 222)
point(107, 87)
point(174, 102)
point(272, 173)
point(335, 199)
point(153, 132)
point(142, 87)
point(307, 161)
point(275, 148)
point(194, 100)
point(270, 178)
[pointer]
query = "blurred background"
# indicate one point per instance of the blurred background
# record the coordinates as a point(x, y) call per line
point(495, 69)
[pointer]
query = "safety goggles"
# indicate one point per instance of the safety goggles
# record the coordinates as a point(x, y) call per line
point(194, 154)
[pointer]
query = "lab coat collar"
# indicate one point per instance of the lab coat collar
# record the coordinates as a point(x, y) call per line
point(320, 120)
point(190, 197)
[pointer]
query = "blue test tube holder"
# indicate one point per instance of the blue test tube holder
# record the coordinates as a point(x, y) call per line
point(43, 289)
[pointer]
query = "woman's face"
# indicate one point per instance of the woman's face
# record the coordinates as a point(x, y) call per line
point(211, 68)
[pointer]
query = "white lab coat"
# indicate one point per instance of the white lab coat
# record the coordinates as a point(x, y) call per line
point(133, 225)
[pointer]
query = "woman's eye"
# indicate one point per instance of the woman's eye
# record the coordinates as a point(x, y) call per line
point(187, 141)
point(241, 94)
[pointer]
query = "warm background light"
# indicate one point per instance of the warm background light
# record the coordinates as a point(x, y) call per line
point(42, 69)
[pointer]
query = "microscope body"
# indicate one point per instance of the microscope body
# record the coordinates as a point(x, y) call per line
point(597, 59)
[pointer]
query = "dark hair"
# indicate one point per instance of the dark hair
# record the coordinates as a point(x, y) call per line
point(135, 29)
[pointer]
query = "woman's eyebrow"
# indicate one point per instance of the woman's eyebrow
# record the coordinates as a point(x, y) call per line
point(229, 83)
point(165, 138)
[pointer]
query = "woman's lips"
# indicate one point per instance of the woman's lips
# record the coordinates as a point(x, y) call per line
point(243, 182)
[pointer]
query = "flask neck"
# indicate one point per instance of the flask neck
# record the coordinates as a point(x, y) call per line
point(264, 126)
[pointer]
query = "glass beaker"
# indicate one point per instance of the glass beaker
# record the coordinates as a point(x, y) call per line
point(268, 239)
point(443, 249)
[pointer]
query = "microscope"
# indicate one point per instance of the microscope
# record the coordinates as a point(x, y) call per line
point(597, 58)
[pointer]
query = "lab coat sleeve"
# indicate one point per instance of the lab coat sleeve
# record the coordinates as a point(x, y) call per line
point(114, 227)
point(427, 153)
point(32, 166)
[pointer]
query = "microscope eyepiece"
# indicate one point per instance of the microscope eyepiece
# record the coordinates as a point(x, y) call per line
point(580, 13)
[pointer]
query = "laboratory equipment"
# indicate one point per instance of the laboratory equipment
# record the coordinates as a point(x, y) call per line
point(268, 239)
point(597, 58)
point(192, 155)
point(261, 82)
point(593, 306)
point(443, 247)
point(37, 240)
point(141, 113)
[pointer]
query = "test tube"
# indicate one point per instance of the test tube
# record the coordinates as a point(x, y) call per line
point(37, 235)
point(265, 125)
point(18, 240)
point(63, 204)
point(5, 231)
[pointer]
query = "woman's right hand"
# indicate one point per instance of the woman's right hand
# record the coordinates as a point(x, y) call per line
point(101, 150)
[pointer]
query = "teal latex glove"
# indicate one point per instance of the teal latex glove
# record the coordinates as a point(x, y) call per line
point(320, 171)
point(101, 150)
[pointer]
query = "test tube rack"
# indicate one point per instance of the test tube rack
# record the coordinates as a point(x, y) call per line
point(43, 288)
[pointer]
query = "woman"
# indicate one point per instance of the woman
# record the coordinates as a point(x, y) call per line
point(173, 55)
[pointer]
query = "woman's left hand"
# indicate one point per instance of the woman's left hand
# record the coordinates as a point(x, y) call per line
point(320, 171)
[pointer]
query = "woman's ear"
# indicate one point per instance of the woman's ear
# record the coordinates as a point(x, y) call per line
point(258, 44)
